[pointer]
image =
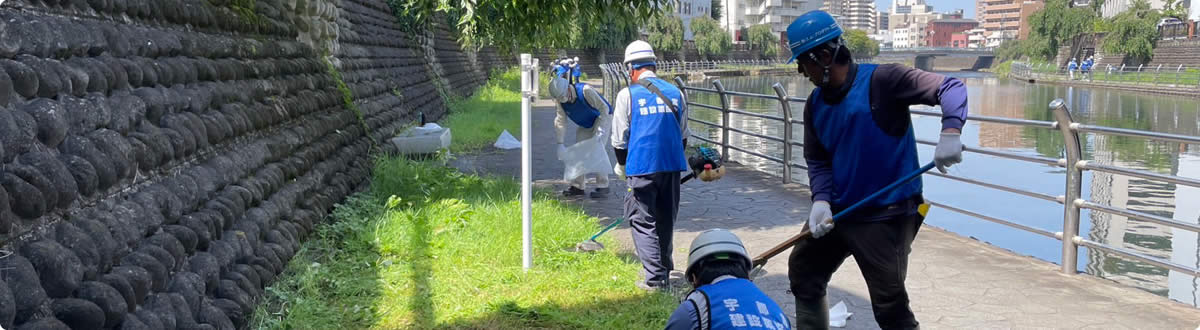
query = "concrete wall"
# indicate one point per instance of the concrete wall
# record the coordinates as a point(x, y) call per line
point(162, 160)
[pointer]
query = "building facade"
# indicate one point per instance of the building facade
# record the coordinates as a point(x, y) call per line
point(940, 32)
point(959, 40)
point(686, 10)
point(741, 14)
point(853, 14)
point(1113, 7)
point(1027, 10)
point(1003, 19)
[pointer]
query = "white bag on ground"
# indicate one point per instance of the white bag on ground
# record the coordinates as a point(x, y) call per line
point(838, 315)
point(507, 141)
point(584, 157)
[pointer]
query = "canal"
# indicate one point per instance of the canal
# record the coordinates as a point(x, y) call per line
point(993, 96)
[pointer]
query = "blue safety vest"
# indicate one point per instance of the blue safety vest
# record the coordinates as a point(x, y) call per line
point(581, 112)
point(865, 158)
point(655, 137)
point(737, 303)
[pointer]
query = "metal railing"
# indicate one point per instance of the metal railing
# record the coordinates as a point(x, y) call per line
point(1072, 201)
point(1161, 75)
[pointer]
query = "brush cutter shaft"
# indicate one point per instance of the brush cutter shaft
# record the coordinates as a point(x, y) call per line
point(761, 259)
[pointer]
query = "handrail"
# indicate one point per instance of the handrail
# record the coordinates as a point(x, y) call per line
point(1073, 163)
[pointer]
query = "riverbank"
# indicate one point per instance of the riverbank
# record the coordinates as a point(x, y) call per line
point(427, 246)
point(1174, 90)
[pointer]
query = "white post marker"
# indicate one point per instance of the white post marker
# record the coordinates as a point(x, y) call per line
point(528, 85)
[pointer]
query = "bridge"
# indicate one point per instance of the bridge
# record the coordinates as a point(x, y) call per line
point(970, 59)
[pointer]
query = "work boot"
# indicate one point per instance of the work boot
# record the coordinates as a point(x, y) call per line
point(600, 193)
point(812, 314)
point(572, 192)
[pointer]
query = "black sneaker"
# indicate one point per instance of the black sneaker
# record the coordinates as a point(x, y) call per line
point(600, 193)
point(571, 192)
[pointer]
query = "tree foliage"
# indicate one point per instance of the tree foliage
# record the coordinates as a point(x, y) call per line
point(710, 39)
point(1134, 32)
point(1056, 25)
point(525, 24)
point(716, 10)
point(666, 33)
point(613, 33)
point(760, 37)
point(860, 45)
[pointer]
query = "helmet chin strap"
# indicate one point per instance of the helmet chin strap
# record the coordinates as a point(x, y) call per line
point(837, 48)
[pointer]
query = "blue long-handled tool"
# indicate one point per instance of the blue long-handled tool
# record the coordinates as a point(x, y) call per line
point(761, 259)
point(591, 244)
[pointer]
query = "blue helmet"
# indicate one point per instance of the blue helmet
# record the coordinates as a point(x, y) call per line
point(810, 30)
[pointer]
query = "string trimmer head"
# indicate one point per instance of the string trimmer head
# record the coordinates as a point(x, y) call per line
point(706, 163)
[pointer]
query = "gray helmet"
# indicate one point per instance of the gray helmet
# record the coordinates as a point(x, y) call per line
point(560, 90)
point(718, 243)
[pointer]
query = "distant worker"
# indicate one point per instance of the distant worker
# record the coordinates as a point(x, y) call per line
point(858, 139)
point(1087, 66)
point(582, 106)
point(649, 134)
point(1071, 68)
point(723, 296)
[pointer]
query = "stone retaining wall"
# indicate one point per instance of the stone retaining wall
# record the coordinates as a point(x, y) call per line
point(162, 160)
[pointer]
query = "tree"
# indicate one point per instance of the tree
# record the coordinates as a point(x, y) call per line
point(528, 23)
point(710, 39)
point(760, 37)
point(666, 33)
point(1134, 32)
point(860, 45)
point(1056, 25)
point(614, 33)
point(716, 10)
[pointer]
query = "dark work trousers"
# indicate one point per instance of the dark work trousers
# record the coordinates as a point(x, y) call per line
point(881, 250)
point(651, 206)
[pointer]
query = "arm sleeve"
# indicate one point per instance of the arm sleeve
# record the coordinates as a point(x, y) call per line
point(620, 120)
point(819, 160)
point(685, 131)
point(595, 100)
point(560, 122)
point(906, 85)
point(684, 318)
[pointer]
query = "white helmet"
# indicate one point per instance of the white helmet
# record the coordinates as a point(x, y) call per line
point(560, 90)
point(639, 51)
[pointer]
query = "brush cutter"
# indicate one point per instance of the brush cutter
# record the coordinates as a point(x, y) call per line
point(705, 161)
point(761, 260)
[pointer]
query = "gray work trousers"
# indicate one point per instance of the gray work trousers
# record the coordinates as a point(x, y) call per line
point(651, 206)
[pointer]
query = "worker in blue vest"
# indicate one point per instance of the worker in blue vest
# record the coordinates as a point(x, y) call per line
point(649, 134)
point(724, 298)
point(858, 138)
point(581, 106)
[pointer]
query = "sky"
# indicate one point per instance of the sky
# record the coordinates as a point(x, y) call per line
point(968, 6)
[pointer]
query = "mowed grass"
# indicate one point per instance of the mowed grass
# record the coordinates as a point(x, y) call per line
point(477, 121)
point(428, 247)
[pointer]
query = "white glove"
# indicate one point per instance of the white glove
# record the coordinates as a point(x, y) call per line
point(820, 220)
point(561, 150)
point(619, 170)
point(948, 152)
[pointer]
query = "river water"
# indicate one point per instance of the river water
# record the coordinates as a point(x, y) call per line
point(993, 96)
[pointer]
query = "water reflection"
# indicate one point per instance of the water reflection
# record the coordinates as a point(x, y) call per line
point(1005, 98)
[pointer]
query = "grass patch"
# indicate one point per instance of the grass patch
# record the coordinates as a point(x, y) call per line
point(477, 121)
point(429, 247)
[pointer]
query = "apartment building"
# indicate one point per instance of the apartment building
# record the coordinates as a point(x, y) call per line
point(940, 32)
point(853, 14)
point(686, 10)
point(740, 14)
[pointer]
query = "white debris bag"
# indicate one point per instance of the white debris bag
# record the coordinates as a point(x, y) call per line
point(507, 141)
point(584, 157)
point(838, 315)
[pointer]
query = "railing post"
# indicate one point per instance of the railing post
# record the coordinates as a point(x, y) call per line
point(787, 131)
point(724, 117)
point(683, 89)
point(1074, 186)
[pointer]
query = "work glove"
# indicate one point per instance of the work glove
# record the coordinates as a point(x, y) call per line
point(820, 220)
point(619, 170)
point(561, 151)
point(948, 152)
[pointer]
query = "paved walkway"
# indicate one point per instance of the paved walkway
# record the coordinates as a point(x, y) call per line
point(954, 282)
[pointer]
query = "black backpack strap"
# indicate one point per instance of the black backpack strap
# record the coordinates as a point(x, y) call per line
point(654, 89)
point(700, 301)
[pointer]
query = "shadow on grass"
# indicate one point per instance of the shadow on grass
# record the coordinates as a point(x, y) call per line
point(599, 314)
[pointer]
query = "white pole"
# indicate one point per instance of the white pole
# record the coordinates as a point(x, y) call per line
point(527, 83)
